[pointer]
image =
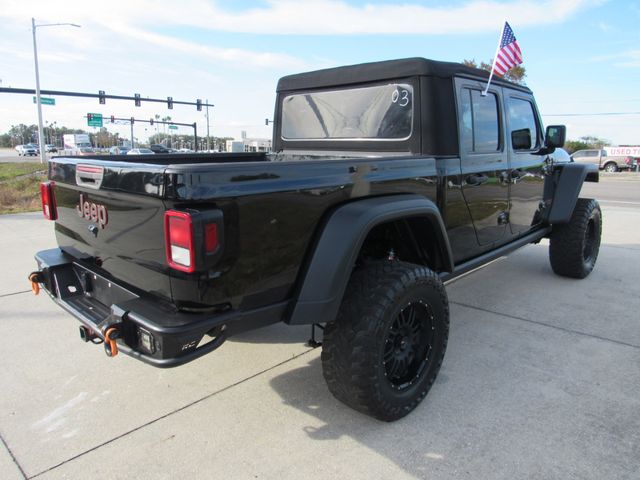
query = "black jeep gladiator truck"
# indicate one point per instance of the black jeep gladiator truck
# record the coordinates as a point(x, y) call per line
point(387, 179)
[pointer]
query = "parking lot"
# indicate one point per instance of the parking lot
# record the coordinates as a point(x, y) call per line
point(541, 380)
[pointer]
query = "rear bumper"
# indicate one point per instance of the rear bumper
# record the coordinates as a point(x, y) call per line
point(101, 303)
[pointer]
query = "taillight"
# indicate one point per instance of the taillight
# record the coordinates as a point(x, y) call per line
point(193, 239)
point(180, 247)
point(48, 201)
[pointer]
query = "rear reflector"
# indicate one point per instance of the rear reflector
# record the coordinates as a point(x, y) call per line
point(211, 237)
point(180, 249)
point(48, 201)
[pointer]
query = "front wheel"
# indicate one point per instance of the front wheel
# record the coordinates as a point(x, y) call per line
point(574, 246)
point(611, 167)
point(384, 350)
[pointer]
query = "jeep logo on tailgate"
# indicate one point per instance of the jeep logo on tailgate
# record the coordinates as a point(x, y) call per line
point(92, 211)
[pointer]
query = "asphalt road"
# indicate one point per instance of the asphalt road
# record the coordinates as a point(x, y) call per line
point(541, 380)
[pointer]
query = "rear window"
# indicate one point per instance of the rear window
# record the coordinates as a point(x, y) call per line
point(381, 112)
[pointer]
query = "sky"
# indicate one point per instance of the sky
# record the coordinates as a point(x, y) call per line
point(581, 56)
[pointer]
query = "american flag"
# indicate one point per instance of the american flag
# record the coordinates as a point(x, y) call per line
point(509, 54)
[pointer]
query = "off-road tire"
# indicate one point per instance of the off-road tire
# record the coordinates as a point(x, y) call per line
point(574, 246)
point(359, 351)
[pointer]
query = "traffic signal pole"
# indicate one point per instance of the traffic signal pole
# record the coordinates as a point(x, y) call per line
point(151, 121)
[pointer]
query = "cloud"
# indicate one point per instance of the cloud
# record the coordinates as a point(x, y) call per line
point(241, 56)
point(605, 27)
point(312, 17)
point(627, 59)
point(334, 17)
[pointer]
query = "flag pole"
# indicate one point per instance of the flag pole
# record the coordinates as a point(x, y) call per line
point(495, 57)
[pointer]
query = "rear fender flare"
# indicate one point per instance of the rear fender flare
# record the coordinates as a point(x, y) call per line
point(325, 277)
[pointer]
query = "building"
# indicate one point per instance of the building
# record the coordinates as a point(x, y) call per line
point(249, 144)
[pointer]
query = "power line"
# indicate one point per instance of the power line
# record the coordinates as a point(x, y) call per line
point(588, 114)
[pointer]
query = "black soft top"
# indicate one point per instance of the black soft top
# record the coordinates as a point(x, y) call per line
point(385, 70)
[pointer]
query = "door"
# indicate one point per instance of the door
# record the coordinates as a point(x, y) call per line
point(484, 162)
point(526, 177)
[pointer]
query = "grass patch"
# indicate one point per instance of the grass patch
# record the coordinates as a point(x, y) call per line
point(20, 187)
point(10, 171)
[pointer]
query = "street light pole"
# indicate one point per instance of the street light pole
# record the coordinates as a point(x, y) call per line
point(208, 124)
point(35, 58)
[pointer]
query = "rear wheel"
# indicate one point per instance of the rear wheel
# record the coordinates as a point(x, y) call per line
point(384, 350)
point(574, 246)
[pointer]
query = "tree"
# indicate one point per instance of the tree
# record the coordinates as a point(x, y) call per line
point(515, 74)
point(588, 141)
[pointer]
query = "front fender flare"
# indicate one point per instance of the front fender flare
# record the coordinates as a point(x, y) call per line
point(567, 189)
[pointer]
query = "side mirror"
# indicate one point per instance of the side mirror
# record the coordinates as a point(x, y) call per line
point(555, 136)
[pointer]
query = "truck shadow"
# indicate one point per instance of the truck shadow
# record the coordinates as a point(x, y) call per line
point(276, 333)
point(304, 389)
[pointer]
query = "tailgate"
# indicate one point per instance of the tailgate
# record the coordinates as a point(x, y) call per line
point(111, 214)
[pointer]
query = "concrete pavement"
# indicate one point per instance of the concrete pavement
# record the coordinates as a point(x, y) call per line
point(541, 380)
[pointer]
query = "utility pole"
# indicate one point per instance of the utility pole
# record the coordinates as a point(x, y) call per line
point(132, 144)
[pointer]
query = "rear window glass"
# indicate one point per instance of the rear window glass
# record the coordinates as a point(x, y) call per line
point(383, 112)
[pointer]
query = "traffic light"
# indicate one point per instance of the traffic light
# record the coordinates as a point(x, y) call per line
point(170, 103)
point(199, 105)
point(113, 119)
point(137, 99)
point(89, 116)
point(101, 97)
point(151, 121)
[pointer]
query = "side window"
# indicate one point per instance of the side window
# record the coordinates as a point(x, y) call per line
point(523, 125)
point(479, 122)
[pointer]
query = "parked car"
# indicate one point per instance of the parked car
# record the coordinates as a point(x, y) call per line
point(28, 149)
point(140, 151)
point(83, 151)
point(160, 149)
point(603, 160)
point(50, 148)
point(119, 150)
point(185, 150)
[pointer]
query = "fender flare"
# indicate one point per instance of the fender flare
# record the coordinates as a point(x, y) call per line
point(324, 280)
point(567, 189)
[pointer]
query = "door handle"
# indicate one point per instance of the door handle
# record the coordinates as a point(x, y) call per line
point(476, 179)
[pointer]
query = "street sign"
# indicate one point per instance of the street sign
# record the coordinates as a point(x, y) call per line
point(173, 127)
point(94, 119)
point(45, 101)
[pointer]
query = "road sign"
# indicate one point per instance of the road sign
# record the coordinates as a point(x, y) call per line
point(94, 119)
point(173, 127)
point(45, 101)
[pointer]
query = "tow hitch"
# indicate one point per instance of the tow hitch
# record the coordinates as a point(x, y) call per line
point(110, 346)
